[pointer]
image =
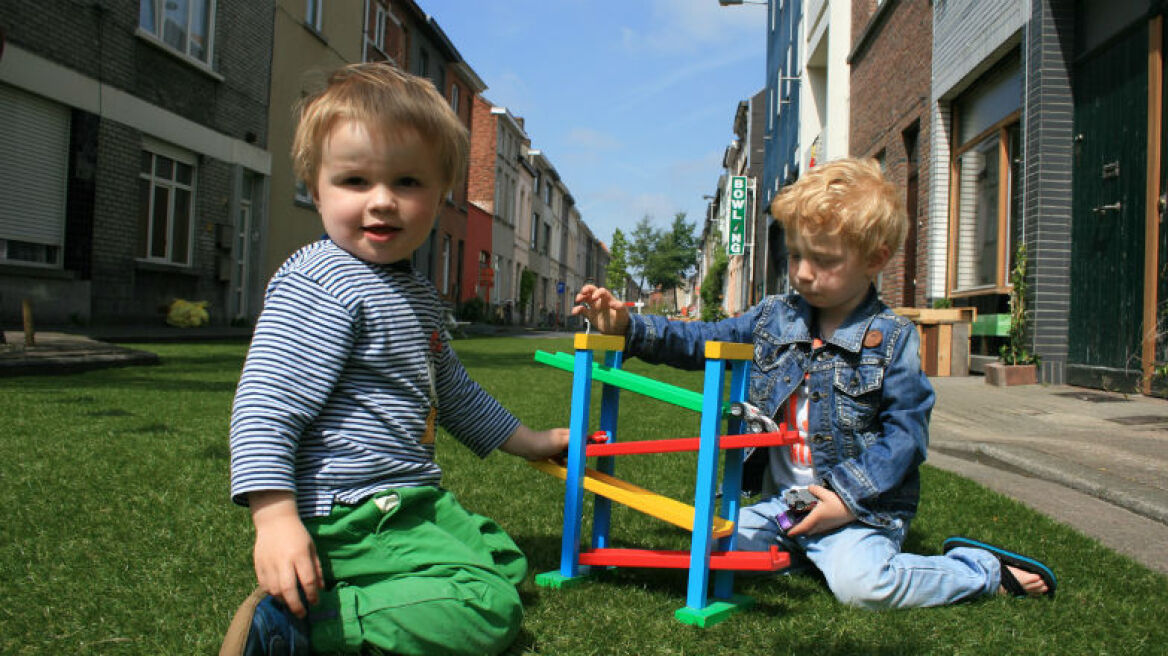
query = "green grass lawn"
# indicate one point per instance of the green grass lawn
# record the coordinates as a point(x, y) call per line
point(117, 536)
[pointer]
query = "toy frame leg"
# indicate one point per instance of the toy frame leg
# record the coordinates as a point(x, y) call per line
point(713, 612)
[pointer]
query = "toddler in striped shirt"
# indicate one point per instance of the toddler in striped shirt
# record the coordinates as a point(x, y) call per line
point(348, 375)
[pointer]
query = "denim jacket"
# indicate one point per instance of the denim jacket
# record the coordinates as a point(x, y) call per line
point(868, 416)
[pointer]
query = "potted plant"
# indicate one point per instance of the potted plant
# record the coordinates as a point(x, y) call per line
point(1017, 366)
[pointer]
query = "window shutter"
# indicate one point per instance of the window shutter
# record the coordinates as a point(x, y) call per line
point(34, 164)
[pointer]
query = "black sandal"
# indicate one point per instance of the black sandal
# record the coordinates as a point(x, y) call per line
point(1008, 559)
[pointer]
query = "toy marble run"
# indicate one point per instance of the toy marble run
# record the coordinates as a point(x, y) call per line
point(713, 539)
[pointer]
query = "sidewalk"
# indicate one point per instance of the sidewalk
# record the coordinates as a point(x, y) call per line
point(1096, 461)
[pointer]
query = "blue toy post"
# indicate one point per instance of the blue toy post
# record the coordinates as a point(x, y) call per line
point(732, 477)
point(609, 409)
point(701, 544)
point(698, 610)
point(570, 570)
point(574, 487)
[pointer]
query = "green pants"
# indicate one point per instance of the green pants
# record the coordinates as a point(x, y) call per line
point(412, 572)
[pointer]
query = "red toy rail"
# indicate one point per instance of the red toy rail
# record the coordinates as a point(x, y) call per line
point(757, 561)
point(781, 438)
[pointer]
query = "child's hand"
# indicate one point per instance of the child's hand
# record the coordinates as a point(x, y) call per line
point(830, 513)
point(285, 556)
point(602, 310)
point(536, 445)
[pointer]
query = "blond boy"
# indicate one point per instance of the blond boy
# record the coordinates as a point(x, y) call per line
point(832, 360)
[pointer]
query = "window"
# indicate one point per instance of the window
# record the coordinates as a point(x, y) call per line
point(534, 231)
point(13, 250)
point(375, 34)
point(314, 15)
point(165, 208)
point(183, 25)
point(986, 198)
point(423, 64)
point(547, 237)
point(454, 97)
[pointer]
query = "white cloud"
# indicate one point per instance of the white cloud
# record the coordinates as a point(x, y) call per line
point(509, 90)
point(687, 26)
point(591, 139)
point(682, 74)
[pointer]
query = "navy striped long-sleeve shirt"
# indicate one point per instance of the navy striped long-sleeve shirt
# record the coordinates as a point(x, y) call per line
point(335, 392)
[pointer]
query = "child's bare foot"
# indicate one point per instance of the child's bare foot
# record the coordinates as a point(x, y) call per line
point(1030, 582)
point(1020, 576)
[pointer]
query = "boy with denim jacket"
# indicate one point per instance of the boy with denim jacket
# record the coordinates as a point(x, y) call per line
point(832, 360)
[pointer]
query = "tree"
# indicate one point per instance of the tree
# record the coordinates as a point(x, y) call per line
point(677, 252)
point(617, 275)
point(663, 258)
point(642, 242)
point(712, 285)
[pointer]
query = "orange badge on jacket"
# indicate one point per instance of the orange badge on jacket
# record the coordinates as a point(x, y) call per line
point(872, 338)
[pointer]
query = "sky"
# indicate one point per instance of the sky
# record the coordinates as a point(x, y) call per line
point(632, 101)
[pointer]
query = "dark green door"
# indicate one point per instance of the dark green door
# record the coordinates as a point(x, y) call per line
point(1107, 219)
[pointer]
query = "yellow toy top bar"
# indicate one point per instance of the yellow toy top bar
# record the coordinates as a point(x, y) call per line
point(729, 351)
point(596, 342)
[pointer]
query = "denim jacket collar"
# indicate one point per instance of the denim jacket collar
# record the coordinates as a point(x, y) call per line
point(849, 335)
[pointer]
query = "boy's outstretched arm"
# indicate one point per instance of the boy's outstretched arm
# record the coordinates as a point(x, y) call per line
point(602, 310)
point(536, 445)
point(285, 556)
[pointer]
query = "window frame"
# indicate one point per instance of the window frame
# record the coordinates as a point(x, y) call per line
point(172, 184)
point(156, 36)
point(1006, 185)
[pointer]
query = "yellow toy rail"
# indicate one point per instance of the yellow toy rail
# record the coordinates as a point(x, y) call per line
point(637, 498)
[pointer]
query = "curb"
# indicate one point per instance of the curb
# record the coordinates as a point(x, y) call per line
point(1106, 487)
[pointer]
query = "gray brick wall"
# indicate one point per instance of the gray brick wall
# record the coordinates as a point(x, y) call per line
point(98, 40)
point(968, 35)
point(1049, 125)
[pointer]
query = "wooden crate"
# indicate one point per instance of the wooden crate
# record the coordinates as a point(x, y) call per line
point(945, 336)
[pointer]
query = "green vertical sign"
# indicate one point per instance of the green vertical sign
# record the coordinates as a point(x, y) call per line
point(736, 246)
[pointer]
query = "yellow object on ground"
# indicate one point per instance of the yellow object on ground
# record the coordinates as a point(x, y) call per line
point(187, 314)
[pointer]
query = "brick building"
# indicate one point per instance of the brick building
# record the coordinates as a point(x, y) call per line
point(890, 85)
point(498, 163)
point(133, 156)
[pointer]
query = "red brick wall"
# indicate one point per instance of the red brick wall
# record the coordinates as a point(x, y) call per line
point(481, 177)
point(478, 239)
point(890, 78)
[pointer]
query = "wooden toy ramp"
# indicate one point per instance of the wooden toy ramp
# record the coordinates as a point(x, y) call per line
point(637, 498)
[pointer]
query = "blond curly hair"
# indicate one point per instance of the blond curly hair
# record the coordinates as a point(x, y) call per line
point(385, 100)
point(849, 197)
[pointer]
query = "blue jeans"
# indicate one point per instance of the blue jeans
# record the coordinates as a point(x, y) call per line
point(864, 566)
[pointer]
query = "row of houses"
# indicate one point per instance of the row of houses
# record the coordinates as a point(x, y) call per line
point(144, 157)
point(1006, 124)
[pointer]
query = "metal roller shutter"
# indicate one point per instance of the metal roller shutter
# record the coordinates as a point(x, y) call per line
point(34, 163)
